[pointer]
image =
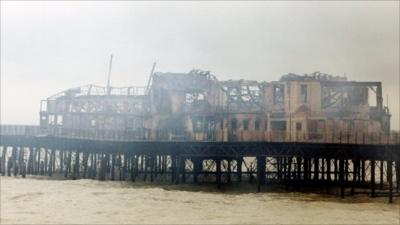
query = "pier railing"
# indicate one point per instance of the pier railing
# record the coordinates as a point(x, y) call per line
point(28, 130)
point(219, 135)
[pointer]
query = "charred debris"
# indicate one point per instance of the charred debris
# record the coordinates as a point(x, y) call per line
point(197, 106)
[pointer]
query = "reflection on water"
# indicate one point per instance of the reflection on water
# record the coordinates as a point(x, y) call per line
point(39, 201)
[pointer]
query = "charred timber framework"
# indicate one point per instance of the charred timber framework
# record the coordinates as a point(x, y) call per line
point(196, 106)
point(370, 168)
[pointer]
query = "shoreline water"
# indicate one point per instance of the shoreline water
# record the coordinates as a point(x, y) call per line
point(35, 200)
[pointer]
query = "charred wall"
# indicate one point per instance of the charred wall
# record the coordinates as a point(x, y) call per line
point(196, 106)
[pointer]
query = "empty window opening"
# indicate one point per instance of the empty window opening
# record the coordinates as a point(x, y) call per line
point(246, 124)
point(59, 120)
point(194, 98)
point(43, 106)
point(234, 124)
point(255, 91)
point(51, 119)
point(233, 94)
point(278, 93)
point(358, 95)
point(92, 123)
point(372, 97)
point(299, 126)
point(303, 93)
point(313, 126)
point(257, 124)
point(278, 125)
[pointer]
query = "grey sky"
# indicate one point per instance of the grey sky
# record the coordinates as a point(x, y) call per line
point(47, 47)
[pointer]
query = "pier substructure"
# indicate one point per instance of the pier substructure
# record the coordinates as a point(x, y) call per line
point(292, 165)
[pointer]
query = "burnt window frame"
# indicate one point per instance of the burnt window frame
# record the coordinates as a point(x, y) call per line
point(278, 88)
point(246, 124)
point(304, 93)
point(257, 124)
point(299, 128)
point(234, 124)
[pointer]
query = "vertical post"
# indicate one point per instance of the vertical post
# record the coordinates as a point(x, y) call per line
point(298, 164)
point(196, 168)
point(316, 169)
point(381, 175)
point(90, 168)
point(328, 175)
point(341, 177)
point(309, 168)
point(260, 171)
point(102, 167)
point(125, 167)
point(76, 166)
point(373, 178)
point(363, 172)
point(145, 166)
point(322, 172)
point(355, 172)
point(23, 169)
point(158, 165)
point(346, 170)
point(397, 175)
point(390, 179)
point(9, 166)
point(305, 169)
point(14, 160)
point(45, 160)
point(283, 168)
point(39, 160)
point(136, 168)
point(164, 169)
point(118, 164)
point(239, 161)
point(62, 160)
point(36, 161)
point(3, 160)
point(177, 168)
point(42, 168)
point(113, 167)
point(182, 164)
point(335, 169)
point(95, 157)
point(30, 161)
point(328, 170)
point(218, 172)
point(229, 170)
point(85, 164)
point(141, 163)
point(52, 162)
point(173, 168)
point(289, 168)
point(152, 162)
point(68, 164)
point(133, 167)
point(21, 155)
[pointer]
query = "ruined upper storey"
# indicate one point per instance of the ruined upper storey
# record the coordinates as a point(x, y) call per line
point(196, 105)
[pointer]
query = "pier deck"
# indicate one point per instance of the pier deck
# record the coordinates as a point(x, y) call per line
point(347, 166)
